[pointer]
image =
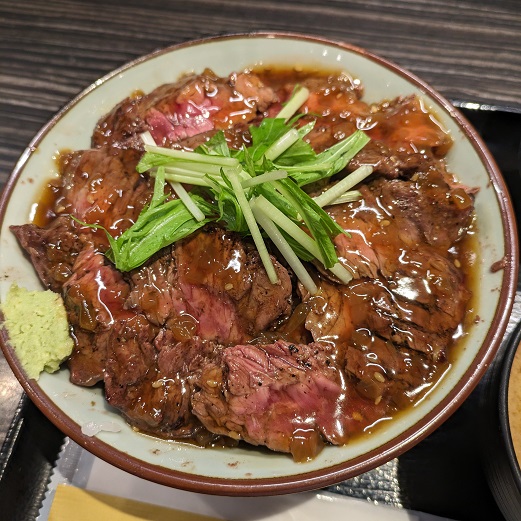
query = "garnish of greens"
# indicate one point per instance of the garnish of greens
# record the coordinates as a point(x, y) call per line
point(255, 191)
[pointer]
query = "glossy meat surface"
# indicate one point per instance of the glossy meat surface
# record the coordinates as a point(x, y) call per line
point(197, 343)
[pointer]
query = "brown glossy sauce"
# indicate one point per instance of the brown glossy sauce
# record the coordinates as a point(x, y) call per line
point(44, 212)
point(210, 265)
point(293, 328)
point(46, 205)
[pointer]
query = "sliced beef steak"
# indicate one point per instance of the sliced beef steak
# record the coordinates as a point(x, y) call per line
point(405, 245)
point(338, 104)
point(96, 292)
point(404, 136)
point(290, 398)
point(130, 373)
point(94, 297)
point(96, 187)
point(390, 163)
point(89, 356)
point(329, 315)
point(151, 379)
point(439, 212)
point(101, 186)
point(404, 321)
point(53, 249)
point(180, 366)
point(404, 124)
point(197, 343)
point(387, 373)
point(391, 347)
point(212, 286)
point(196, 105)
point(409, 294)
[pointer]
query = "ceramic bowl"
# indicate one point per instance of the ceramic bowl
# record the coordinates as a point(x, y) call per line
point(502, 464)
point(242, 471)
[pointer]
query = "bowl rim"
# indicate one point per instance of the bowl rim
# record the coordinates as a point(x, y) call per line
point(327, 475)
point(514, 342)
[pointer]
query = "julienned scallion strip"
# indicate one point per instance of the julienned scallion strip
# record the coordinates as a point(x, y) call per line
point(285, 249)
point(339, 189)
point(348, 197)
point(299, 97)
point(282, 144)
point(284, 223)
point(274, 175)
point(254, 228)
point(255, 191)
point(193, 156)
point(177, 187)
point(180, 191)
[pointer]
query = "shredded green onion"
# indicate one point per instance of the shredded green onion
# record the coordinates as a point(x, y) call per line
point(274, 175)
point(193, 156)
point(282, 144)
point(196, 168)
point(300, 96)
point(254, 228)
point(285, 249)
point(187, 200)
point(297, 233)
point(196, 181)
point(342, 186)
point(348, 197)
point(147, 138)
point(258, 185)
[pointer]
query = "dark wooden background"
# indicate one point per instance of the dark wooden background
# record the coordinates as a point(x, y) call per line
point(51, 50)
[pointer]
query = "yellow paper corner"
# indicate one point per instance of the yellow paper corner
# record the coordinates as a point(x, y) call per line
point(84, 505)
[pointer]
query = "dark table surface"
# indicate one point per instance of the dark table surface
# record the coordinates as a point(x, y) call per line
point(468, 50)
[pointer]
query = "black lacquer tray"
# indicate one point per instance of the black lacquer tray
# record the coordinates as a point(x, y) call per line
point(442, 475)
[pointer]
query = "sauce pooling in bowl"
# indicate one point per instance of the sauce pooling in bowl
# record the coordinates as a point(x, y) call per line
point(197, 342)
